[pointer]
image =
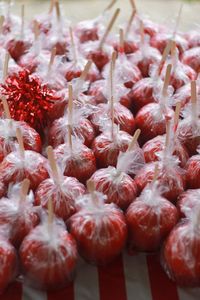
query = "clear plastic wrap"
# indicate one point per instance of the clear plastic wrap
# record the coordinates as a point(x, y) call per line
point(19, 213)
point(15, 168)
point(125, 72)
point(159, 41)
point(122, 117)
point(115, 183)
point(9, 264)
point(171, 178)
point(180, 255)
point(181, 74)
point(81, 128)
point(99, 229)
point(106, 149)
point(153, 147)
point(48, 256)
point(8, 141)
point(188, 131)
point(79, 162)
point(150, 218)
point(188, 200)
point(142, 93)
point(63, 195)
point(152, 120)
point(193, 172)
point(144, 58)
point(191, 58)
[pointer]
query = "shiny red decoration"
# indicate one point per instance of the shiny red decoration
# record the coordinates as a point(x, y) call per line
point(28, 99)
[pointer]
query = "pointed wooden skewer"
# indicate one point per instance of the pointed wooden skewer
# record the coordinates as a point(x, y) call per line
point(156, 174)
point(24, 190)
point(53, 164)
point(52, 58)
point(177, 21)
point(50, 215)
point(167, 137)
point(134, 140)
point(6, 107)
point(2, 19)
point(142, 32)
point(85, 71)
point(70, 115)
point(91, 189)
point(5, 66)
point(176, 115)
point(108, 29)
point(73, 44)
point(51, 6)
point(194, 99)
point(22, 20)
point(130, 21)
point(110, 5)
point(57, 6)
point(36, 30)
point(133, 5)
point(121, 40)
point(20, 142)
point(112, 66)
point(164, 56)
point(78, 84)
point(166, 80)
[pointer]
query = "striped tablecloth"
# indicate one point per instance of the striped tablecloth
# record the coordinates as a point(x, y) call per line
point(137, 277)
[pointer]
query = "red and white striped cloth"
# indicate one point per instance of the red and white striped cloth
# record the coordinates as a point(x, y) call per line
point(137, 277)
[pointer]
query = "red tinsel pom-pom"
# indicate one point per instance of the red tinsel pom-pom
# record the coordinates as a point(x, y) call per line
point(28, 99)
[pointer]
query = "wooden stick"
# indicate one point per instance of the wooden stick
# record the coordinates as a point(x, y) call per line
point(109, 27)
point(142, 32)
point(112, 66)
point(70, 137)
point(50, 215)
point(164, 56)
point(176, 115)
point(24, 189)
point(52, 162)
point(173, 48)
point(22, 20)
point(156, 174)
point(70, 104)
point(91, 189)
point(57, 6)
point(134, 139)
point(177, 20)
point(121, 40)
point(130, 21)
point(86, 70)
point(110, 5)
point(6, 107)
point(133, 5)
point(51, 7)
point(20, 142)
point(167, 138)
point(52, 58)
point(5, 66)
point(36, 30)
point(73, 44)
point(112, 117)
point(2, 19)
point(166, 81)
point(194, 98)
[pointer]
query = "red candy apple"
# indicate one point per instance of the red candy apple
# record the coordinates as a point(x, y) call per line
point(150, 219)
point(99, 229)
point(48, 256)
